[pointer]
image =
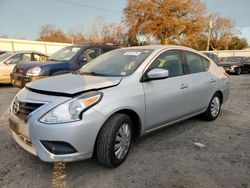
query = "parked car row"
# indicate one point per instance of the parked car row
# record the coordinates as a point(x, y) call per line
point(232, 64)
point(118, 96)
point(22, 67)
point(236, 64)
point(9, 60)
point(66, 60)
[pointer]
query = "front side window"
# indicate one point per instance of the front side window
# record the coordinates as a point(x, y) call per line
point(122, 62)
point(26, 57)
point(65, 54)
point(91, 53)
point(169, 60)
point(194, 62)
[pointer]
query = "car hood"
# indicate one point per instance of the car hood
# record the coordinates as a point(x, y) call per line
point(228, 63)
point(71, 84)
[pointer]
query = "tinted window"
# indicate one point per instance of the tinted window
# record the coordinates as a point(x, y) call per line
point(206, 63)
point(92, 53)
point(171, 61)
point(194, 62)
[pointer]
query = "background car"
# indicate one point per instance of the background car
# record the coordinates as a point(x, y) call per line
point(120, 95)
point(2, 52)
point(236, 64)
point(66, 60)
point(213, 56)
point(9, 60)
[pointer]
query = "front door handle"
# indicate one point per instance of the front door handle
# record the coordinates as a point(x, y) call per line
point(184, 86)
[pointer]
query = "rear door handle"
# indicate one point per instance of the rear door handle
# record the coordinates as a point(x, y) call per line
point(184, 86)
point(212, 80)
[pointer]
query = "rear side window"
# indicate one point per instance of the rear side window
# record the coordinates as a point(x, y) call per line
point(169, 60)
point(206, 63)
point(194, 62)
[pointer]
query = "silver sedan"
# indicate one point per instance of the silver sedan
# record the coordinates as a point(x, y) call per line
point(121, 95)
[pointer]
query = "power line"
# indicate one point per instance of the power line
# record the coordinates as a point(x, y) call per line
point(90, 7)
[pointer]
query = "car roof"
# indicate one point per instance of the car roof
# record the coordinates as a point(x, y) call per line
point(27, 51)
point(161, 47)
point(92, 44)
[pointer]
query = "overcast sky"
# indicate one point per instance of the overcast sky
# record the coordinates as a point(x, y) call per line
point(23, 18)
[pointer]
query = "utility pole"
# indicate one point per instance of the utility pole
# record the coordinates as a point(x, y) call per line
point(209, 33)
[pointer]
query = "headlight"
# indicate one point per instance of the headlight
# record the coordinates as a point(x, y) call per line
point(34, 71)
point(71, 110)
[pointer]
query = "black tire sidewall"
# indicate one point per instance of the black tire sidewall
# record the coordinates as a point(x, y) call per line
point(119, 123)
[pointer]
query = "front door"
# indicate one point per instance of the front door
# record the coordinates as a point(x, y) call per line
point(167, 99)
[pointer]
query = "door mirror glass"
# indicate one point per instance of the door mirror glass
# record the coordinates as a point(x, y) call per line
point(7, 62)
point(157, 73)
point(82, 59)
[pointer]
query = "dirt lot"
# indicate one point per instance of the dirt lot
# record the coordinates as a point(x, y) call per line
point(167, 158)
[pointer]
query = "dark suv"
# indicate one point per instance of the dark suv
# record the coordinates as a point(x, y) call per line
point(66, 60)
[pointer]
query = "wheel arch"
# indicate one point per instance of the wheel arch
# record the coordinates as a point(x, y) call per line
point(136, 121)
point(220, 95)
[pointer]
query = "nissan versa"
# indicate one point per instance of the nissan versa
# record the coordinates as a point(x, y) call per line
point(119, 96)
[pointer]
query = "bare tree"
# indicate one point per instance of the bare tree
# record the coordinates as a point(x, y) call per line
point(222, 31)
point(114, 33)
point(171, 21)
point(77, 35)
point(50, 33)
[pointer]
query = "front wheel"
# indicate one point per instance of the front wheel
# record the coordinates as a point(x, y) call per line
point(114, 140)
point(213, 109)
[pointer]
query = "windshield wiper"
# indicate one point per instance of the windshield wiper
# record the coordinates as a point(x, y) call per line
point(94, 74)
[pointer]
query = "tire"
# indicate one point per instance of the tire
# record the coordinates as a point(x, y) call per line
point(213, 109)
point(111, 139)
point(238, 71)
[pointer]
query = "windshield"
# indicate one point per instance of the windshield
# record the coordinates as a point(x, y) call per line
point(5, 55)
point(233, 59)
point(65, 54)
point(122, 62)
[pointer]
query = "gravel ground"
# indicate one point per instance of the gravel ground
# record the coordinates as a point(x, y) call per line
point(167, 158)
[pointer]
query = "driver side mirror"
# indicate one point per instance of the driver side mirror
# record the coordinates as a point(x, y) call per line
point(82, 59)
point(7, 62)
point(156, 74)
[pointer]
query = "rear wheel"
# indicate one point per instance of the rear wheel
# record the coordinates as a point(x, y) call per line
point(114, 140)
point(213, 109)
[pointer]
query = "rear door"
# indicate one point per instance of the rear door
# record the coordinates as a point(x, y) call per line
point(201, 81)
point(167, 99)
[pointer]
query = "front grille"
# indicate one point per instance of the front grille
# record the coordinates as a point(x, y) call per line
point(22, 110)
